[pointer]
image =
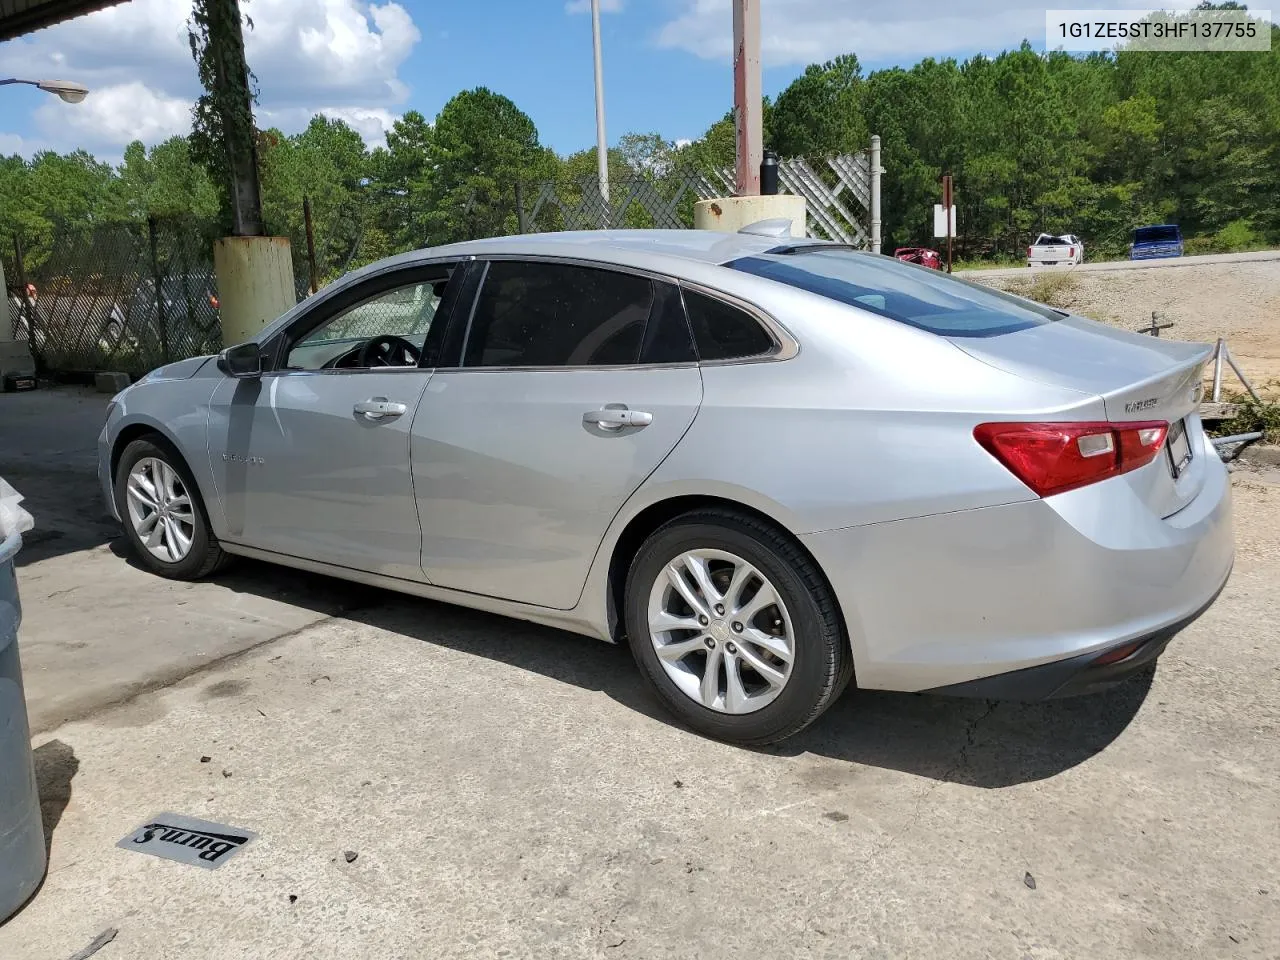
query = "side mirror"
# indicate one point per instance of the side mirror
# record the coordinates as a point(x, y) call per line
point(242, 361)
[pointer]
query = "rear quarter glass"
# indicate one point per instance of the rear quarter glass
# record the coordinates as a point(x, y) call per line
point(916, 296)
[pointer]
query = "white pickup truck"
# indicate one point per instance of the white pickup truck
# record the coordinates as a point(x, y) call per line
point(1049, 251)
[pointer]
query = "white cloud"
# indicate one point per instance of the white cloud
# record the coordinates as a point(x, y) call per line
point(11, 143)
point(584, 6)
point(115, 115)
point(308, 55)
point(799, 32)
point(372, 123)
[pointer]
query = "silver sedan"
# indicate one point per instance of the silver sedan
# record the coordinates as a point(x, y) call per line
point(771, 466)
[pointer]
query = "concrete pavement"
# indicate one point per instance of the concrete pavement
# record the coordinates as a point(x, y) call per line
point(96, 628)
point(511, 790)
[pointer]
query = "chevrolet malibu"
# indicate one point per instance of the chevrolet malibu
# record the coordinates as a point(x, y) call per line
point(772, 466)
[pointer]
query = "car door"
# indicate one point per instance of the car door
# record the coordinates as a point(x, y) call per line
point(572, 384)
point(312, 458)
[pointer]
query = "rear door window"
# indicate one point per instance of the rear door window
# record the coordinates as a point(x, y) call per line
point(531, 314)
point(913, 295)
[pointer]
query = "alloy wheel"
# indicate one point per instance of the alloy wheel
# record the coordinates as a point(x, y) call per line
point(160, 509)
point(721, 631)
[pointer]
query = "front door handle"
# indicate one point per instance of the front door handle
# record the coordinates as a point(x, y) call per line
point(380, 408)
point(615, 417)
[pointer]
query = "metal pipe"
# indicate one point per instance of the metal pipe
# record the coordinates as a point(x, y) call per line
point(602, 150)
point(875, 194)
point(747, 95)
point(1217, 371)
point(1247, 385)
point(1236, 438)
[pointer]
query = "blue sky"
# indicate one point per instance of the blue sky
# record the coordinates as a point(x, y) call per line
point(667, 66)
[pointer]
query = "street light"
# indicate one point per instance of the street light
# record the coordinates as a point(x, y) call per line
point(68, 90)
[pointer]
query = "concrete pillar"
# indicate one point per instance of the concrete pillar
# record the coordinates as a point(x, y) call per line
point(731, 214)
point(255, 284)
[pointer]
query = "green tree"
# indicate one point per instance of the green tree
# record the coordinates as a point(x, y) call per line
point(481, 145)
point(821, 112)
point(326, 163)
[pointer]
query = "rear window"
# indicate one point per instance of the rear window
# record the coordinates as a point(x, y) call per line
point(912, 295)
point(1164, 234)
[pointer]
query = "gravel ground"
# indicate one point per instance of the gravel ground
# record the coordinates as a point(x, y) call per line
point(1239, 301)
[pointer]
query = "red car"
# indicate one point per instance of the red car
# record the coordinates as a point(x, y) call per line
point(921, 255)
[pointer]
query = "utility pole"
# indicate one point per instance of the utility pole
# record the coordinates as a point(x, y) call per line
point(225, 74)
point(746, 97)
point(946, 205)
point(602, 149)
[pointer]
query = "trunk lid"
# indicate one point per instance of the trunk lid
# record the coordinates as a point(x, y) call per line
point(1138, 377)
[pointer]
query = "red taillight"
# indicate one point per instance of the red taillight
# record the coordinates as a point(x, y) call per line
point(1028, 251)
point(1055, 457)
point(1071, 252)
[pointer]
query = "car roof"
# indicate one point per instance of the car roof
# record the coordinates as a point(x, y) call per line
point(659, 250)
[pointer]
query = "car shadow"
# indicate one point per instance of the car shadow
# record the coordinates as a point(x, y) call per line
point(66, 505)
point(974, 742)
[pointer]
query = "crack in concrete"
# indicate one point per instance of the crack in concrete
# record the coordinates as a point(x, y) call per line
point(947, 776)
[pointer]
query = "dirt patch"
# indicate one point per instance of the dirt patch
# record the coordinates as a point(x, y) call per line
point(1237, 301)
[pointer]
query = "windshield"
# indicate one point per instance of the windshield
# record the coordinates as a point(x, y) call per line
point(1156, 235)
point(913, 295)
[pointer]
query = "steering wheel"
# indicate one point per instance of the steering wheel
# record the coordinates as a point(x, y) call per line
point(388, 351)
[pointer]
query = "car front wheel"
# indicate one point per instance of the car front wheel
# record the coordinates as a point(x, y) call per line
point(735, 627)
point(164, 518)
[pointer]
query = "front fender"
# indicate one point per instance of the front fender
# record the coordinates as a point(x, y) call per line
point(178, 411)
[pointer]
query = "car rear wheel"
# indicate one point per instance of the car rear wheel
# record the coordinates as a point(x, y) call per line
point(164, 519)
point(735, 627)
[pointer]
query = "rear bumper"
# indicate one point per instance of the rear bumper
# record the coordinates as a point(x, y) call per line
point(1076, 675)
point(940, 602)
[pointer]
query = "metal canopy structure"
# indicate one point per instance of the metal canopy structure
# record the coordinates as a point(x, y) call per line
point(23, 16)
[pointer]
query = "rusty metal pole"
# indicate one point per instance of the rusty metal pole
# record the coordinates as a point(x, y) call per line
point(521, 220)
point(162, 321)
point(747, 94)
point(26, 307)
point(311, 244)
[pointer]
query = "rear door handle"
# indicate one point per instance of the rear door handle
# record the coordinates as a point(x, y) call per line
point(380, 408)
point(617, 417)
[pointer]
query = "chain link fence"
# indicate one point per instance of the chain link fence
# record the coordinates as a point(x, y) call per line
point(639, 202)
point(121, 296)
point(837, 192)
point(131, 296)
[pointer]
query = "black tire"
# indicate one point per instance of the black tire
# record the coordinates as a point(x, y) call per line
point(206, 556)
point(823, 663)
